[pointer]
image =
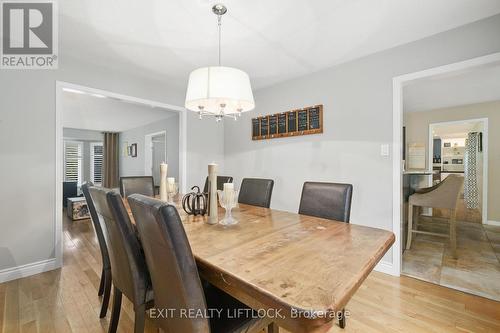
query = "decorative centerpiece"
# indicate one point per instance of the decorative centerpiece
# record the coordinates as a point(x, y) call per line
point(172, 190)
point(212, 194)
point(163, 182)
point(195, 203)
point(228, 199)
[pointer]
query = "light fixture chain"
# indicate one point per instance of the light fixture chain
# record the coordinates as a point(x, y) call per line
point(219, 20)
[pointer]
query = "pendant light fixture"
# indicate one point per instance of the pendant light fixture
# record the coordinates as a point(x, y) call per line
point(217, 90)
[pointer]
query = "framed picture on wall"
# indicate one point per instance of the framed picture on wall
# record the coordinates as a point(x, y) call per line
point(133, 150)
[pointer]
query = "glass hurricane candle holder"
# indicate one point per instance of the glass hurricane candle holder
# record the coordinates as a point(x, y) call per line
point(228, 200)
point(172, 190)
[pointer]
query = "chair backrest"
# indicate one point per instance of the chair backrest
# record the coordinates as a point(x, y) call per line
point(173, 269)
point(128, 266)
point(443, 196)
point(221, 180)
point(69, 191)
point(96, 222)
point(326, 200)
point(137, 184)
point(256, 192)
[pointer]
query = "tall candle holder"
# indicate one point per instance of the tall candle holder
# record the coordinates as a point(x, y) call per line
point(163, 182)
point(228, 200)
point(212, 194)
point(173, 190)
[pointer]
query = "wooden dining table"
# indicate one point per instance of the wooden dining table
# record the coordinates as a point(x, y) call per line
point(299, 270)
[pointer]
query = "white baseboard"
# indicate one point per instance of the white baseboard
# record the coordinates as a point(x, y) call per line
point(28, 269)
point(497, 223)
point(386, 267)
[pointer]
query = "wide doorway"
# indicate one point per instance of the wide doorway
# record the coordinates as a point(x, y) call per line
point(450, 231)
point(101, 135)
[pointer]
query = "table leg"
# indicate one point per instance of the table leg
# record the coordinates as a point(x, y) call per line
point(342, 319)
point(273, 328)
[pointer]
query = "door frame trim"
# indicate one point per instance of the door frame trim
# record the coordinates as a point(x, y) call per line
point(58, 209)
point(398, 83)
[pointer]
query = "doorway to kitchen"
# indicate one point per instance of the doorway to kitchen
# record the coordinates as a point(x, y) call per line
point(460, 148)
point(449, 229)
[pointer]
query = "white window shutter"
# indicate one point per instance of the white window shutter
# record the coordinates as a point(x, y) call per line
point(73, 161)
point(96, 162)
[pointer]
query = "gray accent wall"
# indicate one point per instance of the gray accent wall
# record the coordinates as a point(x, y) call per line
point(357, 99)
point(27, 155)
point(135, 166)
point(358, 119)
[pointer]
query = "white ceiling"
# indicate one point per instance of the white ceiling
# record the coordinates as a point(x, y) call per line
point(84, 111)
point(462, 88)
point(454, 130)
point(273, 40)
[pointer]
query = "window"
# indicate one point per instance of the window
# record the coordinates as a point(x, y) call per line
point(73, 161)
point(96, 159)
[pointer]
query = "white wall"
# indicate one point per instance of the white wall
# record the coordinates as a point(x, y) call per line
point(134, 166)
point(27, 162)
point(205, 145)
point(357, 98)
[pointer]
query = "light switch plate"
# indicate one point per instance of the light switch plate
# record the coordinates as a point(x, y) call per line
point(384, 150)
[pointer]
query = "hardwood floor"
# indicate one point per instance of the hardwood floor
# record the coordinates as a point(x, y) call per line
point(65, 300)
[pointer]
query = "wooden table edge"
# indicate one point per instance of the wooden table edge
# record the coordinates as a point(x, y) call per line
point(243, 290)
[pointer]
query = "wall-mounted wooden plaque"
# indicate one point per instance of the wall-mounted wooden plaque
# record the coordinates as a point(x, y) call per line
point(255, 128)
point(273, 125)
point(292, 123)
point(302, 122)
point(282, 123)
point(314, 120)
point(264, 127)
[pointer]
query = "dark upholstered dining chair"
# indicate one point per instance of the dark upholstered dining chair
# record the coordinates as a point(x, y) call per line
point(329, 201)
point(128, 266)
point(175, 278)
point(105, 285)
point(221, 180)
point(256, 192)
point(326, 200)
point(137, 184)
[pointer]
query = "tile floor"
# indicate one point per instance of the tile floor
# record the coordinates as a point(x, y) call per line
point(477, 268)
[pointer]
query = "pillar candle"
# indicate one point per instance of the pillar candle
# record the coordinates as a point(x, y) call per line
point(163, 182)
point(212, 178)
point(171, 184)
point(228, 194)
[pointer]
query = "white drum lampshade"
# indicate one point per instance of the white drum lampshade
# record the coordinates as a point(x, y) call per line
point(219, 90)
